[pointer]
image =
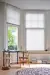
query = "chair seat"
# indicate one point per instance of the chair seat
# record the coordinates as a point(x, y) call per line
point(23, 59)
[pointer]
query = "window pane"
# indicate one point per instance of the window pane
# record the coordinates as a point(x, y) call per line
point(12, 38)
point(31, 24)
point(41, 17)
point(34, 39)
point(41, 24)
point(34, 20)
point(31, 16)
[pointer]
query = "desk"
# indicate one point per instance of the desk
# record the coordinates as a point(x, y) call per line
point(4, 52)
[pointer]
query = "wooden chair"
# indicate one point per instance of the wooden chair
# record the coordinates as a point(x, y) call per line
point(25, 59)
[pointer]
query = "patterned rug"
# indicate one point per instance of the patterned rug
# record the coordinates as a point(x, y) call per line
point(34, 71)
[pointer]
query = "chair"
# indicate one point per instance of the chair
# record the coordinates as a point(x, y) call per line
point(25, 59)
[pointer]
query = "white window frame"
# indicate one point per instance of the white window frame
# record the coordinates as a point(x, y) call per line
point(10, 24)
point(36, 12)
point(6, 26)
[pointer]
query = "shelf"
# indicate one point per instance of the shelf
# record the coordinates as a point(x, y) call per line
point(39, 52)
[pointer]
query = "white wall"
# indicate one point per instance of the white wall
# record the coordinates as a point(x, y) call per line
point(48, 29)
point(2, 23)
point(1, 26)
point(30, 4)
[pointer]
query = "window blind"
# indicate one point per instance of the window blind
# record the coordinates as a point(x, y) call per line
point(13, 15)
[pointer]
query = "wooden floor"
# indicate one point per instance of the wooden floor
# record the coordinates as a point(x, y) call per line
point(8, 72)
point(13, 71)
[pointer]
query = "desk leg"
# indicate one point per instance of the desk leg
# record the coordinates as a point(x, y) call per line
point(3, 59)
point(23, 58)
point(9, 59)
point(17, 57)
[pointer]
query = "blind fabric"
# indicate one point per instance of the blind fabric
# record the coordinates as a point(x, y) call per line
point(34, 20)
point(13, 15)
point(35, 39)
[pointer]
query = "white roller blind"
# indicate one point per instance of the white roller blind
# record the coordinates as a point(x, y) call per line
point(13, 15)
point(35, 39)
point(34, 20)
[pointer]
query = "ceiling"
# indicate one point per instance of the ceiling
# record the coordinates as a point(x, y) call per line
point(29, 4)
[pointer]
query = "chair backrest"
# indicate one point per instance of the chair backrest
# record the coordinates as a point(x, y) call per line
point(27, 56)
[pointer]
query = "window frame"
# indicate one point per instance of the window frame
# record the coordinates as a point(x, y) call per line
point(6, 26)
point(36, 12)
point(10, 24)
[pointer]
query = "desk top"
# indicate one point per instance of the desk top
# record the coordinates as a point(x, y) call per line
point(30, 52)
point(14, 51)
